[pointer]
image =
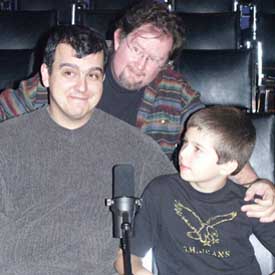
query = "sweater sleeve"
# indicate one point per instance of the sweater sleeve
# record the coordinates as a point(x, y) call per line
point(29, 95)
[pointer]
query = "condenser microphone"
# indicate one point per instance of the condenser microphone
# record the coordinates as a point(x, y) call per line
point(123, 204)
point(123, 181)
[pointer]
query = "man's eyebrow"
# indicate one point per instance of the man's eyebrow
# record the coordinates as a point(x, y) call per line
point(68, 65)
point(96, 68)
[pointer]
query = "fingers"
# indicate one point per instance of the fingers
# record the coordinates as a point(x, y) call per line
point(270, 218)
point(261, 188)
point(265, 202)
point(254, 210)
point(262, 209)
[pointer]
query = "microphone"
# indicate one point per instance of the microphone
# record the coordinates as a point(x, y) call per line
point(123, 205)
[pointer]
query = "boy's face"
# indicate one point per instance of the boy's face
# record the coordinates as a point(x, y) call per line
point(198, 161)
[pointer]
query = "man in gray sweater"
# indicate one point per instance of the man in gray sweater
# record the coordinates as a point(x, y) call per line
point(56, 167)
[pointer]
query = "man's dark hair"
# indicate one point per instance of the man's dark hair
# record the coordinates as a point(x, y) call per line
point(157, 14)
point(232, 130)
point(82, 39)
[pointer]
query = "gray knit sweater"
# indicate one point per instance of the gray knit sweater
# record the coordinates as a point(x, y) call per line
point(53, 183)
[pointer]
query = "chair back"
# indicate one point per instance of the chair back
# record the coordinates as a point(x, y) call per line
point(101, 20)
point(24, 29)
point(266, 6)
point(215, 31)
point(221, 76)
point(62, 8)
point(266, 35)
point(15, 65)
point(110, 5)
point(205, 6)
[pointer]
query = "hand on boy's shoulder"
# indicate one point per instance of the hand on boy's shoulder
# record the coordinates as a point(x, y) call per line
point(262, 193)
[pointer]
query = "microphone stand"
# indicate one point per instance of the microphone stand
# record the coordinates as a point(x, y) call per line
point(125, 246)
point(123, 209)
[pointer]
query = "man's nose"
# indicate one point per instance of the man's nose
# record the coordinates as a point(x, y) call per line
point(82, 84)
point(142, 61)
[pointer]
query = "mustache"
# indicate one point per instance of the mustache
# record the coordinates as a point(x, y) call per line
point(134, 70)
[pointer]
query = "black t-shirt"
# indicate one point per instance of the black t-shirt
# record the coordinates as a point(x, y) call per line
point(195, 233)
point(118, 101)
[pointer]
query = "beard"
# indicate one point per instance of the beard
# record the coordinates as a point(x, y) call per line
point(127, 79)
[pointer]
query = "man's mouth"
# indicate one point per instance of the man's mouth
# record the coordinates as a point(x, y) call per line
point(135, 72)
point(78, 97)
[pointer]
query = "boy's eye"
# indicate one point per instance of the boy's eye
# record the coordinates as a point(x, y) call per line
point(197, 149)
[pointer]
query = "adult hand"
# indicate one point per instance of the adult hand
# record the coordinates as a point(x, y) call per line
point(264, 207)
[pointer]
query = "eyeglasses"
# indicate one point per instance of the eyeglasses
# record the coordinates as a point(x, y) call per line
point(139, 53)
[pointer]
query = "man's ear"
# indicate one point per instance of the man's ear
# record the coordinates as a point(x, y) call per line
point(45, 75)
point(117, 38)
point(228, 168)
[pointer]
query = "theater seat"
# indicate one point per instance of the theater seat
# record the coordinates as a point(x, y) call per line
point(265, 6)
point(211, 31)
point(263, 161)
point(266, 35)
point(101, 20)
point(24, 29)
point(196, 6)
point(62, 8)
point(15, 65)
point(221, 76)
point(110, 5)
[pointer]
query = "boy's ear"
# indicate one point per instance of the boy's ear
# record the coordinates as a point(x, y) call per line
point(228, 168)
point(45, 75)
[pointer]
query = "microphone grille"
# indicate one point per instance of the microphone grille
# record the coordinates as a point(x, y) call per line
point(123, 180)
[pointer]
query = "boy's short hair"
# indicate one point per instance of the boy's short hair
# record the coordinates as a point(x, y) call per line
point(234, 132)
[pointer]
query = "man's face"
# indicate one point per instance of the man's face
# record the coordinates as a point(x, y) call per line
point(140, 56)
point(198, 161)
point(75, 86)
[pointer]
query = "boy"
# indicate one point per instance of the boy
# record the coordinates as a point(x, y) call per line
point(193, 220)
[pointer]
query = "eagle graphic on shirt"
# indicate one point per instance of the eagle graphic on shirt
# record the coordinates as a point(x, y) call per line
point(203, 231)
